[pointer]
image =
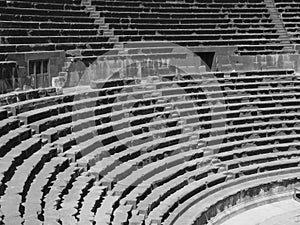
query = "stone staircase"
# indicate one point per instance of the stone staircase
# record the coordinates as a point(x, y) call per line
point(276, 18)
point(99, 20)
point(107, 32)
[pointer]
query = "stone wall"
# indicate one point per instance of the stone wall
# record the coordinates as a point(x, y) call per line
point(258, 62)
point(56, 61)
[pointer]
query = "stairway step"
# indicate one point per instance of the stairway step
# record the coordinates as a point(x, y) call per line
point(104, 27)
point(108, 34)
point(100, 21)
point(118, 45)
point(95, 14)
point(86, 4)
point(114, 39)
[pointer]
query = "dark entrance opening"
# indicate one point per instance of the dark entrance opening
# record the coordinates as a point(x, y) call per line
point(207, 58)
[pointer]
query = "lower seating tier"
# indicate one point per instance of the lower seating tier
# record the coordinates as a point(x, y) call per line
point(145, 152)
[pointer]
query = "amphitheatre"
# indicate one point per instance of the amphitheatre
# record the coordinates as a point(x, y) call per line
point(150, 112)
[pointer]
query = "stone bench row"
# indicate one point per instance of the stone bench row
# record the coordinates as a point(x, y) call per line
point(264, 24)
point(89, 56)
point(193, 42)
point(266, 52)
point(47, 18)
point(231, 31)
point(70, 2)
point(261, 48)
point(47, 25)
point(71, 5)
point(47, 32)
point(203, 36)
point(209, 38)
point(289, 13)
point(185, 10)
point(212, 21)
point(20, 96)
point(47, 47)
point(113, 53)
point(49, 12)
point(206, 78)
point(292, 24)
point(52, 39)
point(290, 20)
point(176, 15)
point(203, 206)
point(164, 4)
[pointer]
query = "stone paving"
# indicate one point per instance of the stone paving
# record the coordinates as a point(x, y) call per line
point(285, 212)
